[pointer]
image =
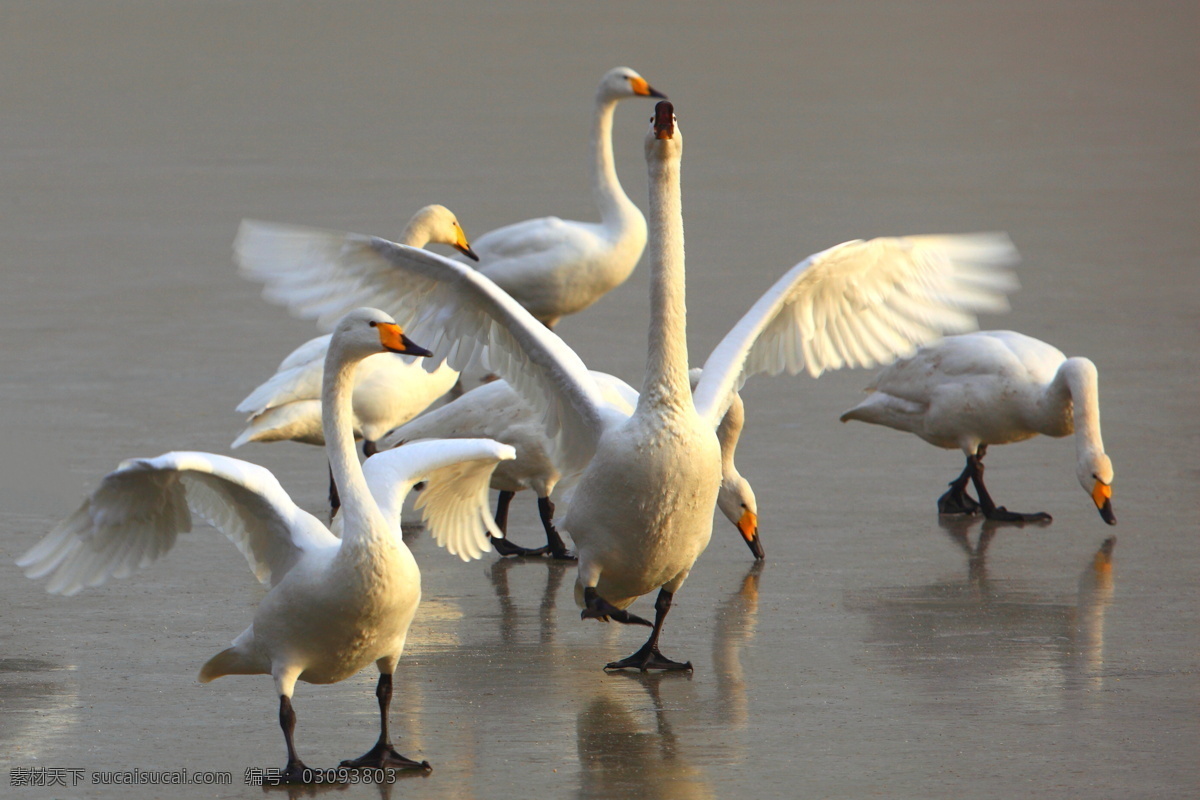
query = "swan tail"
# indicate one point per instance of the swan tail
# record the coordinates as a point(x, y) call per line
point(229, 661)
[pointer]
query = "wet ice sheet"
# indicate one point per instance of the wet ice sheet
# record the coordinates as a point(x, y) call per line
point(877, 653)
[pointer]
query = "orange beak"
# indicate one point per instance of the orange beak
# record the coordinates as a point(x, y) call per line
point(393, 340)
point(1102, 497)
point(640, 87)
point(748, 527)
point(462, 245)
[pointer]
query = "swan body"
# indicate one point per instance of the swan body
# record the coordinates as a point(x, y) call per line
point(555, 267)
point(389, 389)
point(646, 482)
point(338, 600)
point(994, 387)
point(495, 411)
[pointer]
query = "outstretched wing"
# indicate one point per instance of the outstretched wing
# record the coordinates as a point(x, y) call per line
point(859, 304)
point(134, 516)
point(451, 309)
point(454, 501)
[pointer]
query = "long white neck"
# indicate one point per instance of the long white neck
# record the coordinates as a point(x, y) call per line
point(616, 209)
point(358, 506)
point(728, 433)
point(1077, 382)
point(415, 233)
point(666, 381)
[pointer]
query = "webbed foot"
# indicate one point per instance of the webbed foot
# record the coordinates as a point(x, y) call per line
point(384, 756)
point(648, 658)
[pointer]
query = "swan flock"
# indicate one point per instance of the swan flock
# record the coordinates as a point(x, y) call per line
point(640, 472)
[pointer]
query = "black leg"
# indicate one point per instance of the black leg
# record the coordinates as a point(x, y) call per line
point(383, 755)
point(558, 549)
point(957, 501)
point(503, 500)
point(596, 607)
point(295, 769)
point(503, 546)
point(990, 509)
point(648, 657)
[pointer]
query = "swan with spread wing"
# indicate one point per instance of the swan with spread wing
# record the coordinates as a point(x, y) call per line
point(339, 600)
point(644, 484)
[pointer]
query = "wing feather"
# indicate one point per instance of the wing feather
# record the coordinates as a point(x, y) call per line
point(134, 517)
point(860, 304)
point(454, 311)
point(454, 502)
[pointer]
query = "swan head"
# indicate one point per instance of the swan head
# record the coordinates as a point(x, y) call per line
point(664, 139)
point(368, 331)
point(1095, 473)
point(438, 224)
point(737, 502)
point(622, 82)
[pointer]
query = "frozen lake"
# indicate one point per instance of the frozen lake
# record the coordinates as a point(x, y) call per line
point(878, 652)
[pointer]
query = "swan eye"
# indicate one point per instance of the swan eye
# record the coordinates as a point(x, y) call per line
point(372, 323)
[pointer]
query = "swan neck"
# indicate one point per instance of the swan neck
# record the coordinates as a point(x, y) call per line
point(1077, 381)
point(729, 431)
point(338, 424)
point(415, 233)
point(614, 205)
point(666, 379)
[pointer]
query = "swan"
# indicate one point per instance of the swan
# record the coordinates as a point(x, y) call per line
point(389, 389)
point(495, 411)
point(646, 482)
point(994, 387)
point(338, 601)
point(556, 267)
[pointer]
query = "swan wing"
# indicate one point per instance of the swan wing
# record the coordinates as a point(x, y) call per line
point(523, 239)
point(454, 502)
point(860, 304)
point(300, 382)
point(454, 311)
point(134, 516)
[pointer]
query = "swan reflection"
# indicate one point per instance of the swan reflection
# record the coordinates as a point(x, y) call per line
point(627, 750)
point(736, 624)
point(974, 637)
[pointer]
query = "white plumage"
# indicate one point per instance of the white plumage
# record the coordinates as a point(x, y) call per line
point(994, 387)
point(495, 411)
point(389, 389)
point(555, 267)
point(337, 603)
point(642, 508)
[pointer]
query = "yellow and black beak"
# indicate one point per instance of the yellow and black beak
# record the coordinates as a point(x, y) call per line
point(394, 341)
point(1102, 497)
point(640, 87)
point(462, 245)
point(664, 120)
point(748, 527)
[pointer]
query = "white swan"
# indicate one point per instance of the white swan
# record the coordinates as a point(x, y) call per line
point(495, 411)
point(389, 389)
point(994, 387)
point(335, 605)
point(556, 267)
point(647, 483)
